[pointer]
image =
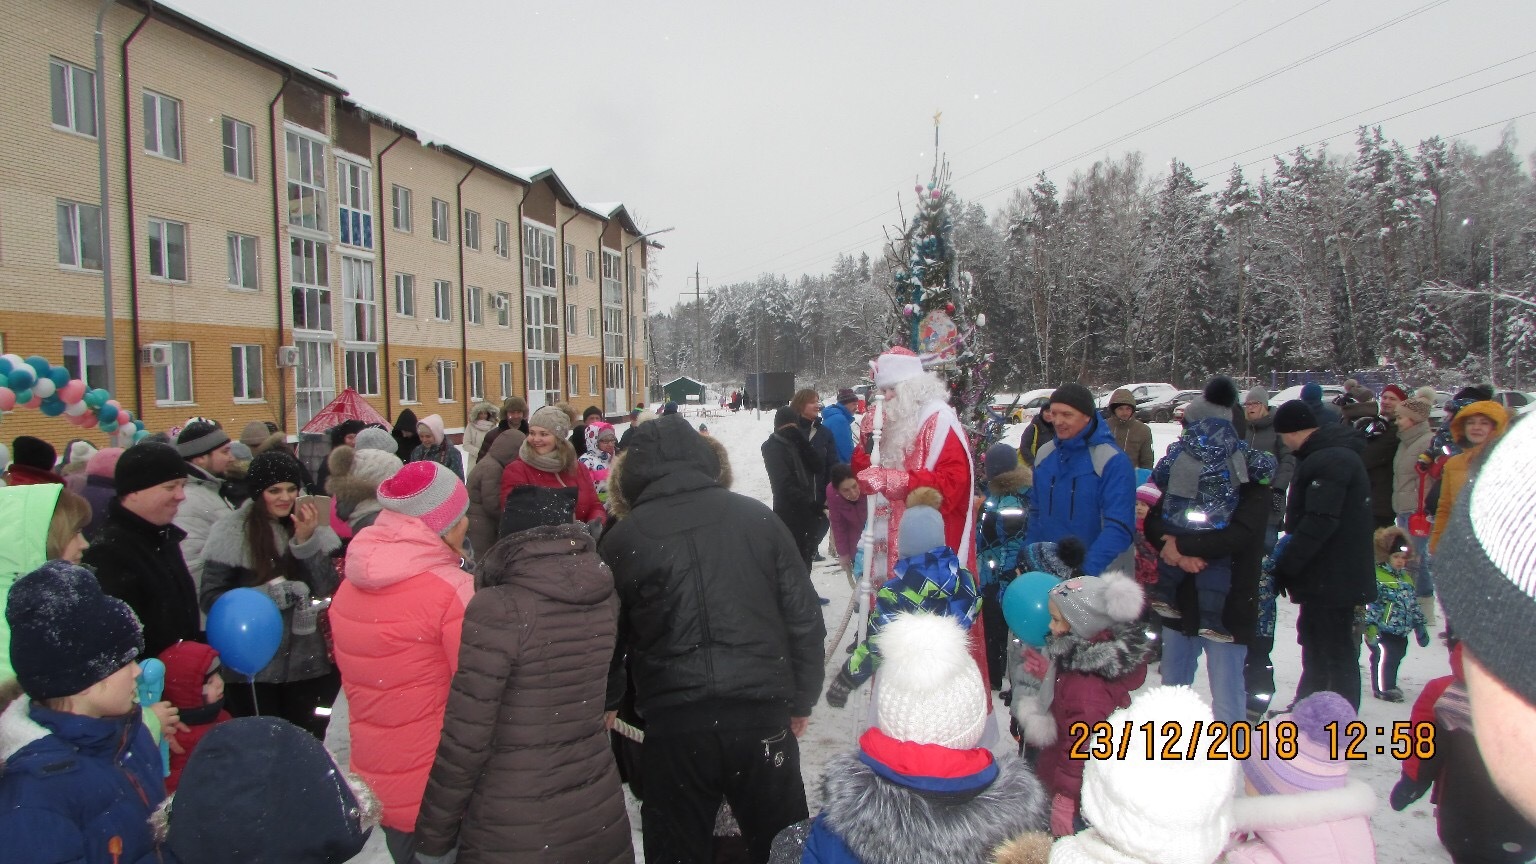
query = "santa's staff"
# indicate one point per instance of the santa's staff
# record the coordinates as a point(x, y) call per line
point(863, 591)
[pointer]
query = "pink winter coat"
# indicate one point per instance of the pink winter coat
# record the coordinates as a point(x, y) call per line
point(397, 620)
point(847, 518)
point(1328, 827)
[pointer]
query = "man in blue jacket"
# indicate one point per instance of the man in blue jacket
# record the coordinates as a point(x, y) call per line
point(838, 419)
point(1085, 486)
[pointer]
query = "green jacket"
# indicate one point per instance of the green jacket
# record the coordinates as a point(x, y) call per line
point(25, 512)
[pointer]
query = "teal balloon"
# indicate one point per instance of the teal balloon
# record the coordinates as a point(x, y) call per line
point(106, 414)
point(59, 375)
point(140, 435)
point(95, 399)
point(106, 427)
point(39, 365)
point(51, 407)
point(1026, 606)
point(22, 378)
point(246, 629)
point(23, 396)
point(5, 368)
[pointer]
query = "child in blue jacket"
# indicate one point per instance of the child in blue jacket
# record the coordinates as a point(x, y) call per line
point(999, 537)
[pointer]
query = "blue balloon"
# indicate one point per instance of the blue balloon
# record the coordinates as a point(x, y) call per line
point(59, 375)
point(39, 365)
point(1026, 606)
point(106, 414)
point(51, 407)
point(22, 378)
point(107, 426)
point(1143, 475)
point(245, 627)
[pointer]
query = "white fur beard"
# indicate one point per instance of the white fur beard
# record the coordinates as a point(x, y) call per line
point(903, 413)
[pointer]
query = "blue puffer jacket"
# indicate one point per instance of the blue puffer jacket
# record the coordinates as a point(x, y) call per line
point(839, 421)
point(73, 783)
point(1068, 500)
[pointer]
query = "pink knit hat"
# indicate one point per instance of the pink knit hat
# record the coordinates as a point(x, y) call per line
point(103, 462)
point(428, 491)
point(1314, 767)
point(1148, 493)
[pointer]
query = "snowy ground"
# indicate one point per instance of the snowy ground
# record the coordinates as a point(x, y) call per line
point(1407, 837)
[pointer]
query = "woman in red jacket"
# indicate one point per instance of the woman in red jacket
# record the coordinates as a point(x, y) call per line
point(548, 460)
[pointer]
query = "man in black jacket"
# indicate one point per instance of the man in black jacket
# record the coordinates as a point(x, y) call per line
point(137, 558)
point(807, 406)
point(722, 634)
point(1261, 435)
point(793, 467)
point(1327, 564)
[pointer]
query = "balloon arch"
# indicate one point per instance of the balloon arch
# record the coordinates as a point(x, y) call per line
point(35, 383)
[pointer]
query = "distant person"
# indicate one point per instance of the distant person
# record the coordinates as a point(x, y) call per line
point(206, 448)
point(404, 434)
point(514, 415)
point(435, 446)
point(793, 467)
point(483, 418)
point(1261, 435)
point(1476, 427)
point(1312, 397)
point(592, 414)
point(1409, 486)
point(1393, 615)
point(837, 419)
point(1130, 434)
point(807, 405)
point(32, 461)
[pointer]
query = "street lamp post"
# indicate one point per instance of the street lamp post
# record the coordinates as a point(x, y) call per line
point(631, 329)
point(106, 209)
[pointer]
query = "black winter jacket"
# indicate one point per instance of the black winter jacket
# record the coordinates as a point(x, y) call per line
point(1378, 455)
point(1243, 541)
point(793, 466)
point(718, 617)
point(141, 565)
point(1329, 559)
point(826, 450)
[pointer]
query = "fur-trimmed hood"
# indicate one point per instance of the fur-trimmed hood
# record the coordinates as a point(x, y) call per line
point(1126, 648)
point(883, 822)
point(1033, 847)
point(1012, 482)
point(227, 543)
point(1258, 813)
point(618, 505)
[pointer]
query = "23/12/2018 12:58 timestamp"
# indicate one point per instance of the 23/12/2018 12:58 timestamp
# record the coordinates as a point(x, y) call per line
point(1173, 740)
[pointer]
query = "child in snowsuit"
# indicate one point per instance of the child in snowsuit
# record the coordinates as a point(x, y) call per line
point(1147, 494)
point(602, 443)
point(1258, 669)
point(1302, 805)
point(1095, 656)
point(82, 773)
point(1200, 477)
point(194, 686)
point(999, 537)
point(927, 577)
point(1393, 614)
point(1476, 824)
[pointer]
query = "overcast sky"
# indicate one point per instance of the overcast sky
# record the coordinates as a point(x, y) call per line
point(774, 135)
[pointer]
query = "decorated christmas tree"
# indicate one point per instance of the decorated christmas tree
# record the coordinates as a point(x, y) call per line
point(931, 296)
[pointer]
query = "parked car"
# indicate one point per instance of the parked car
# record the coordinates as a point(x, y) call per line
point(1159, 409)
point(1517, 401)
point(1020, 405)
point(1140, 392)
point(1330, 393)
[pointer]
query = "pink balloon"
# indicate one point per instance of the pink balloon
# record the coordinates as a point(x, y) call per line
point(113, 403)
point(124, 417)
point(35, 401)
point(74, 391)
point(7, 399)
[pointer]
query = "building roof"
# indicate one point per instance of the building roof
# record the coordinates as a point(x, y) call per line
point(683, 378)
point(240, 45)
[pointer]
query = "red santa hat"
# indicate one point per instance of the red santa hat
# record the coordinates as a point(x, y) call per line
point(895, 366)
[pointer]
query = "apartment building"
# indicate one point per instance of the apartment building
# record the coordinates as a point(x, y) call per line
point(272, 241)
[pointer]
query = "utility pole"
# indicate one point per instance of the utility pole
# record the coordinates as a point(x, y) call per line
point(698, 323)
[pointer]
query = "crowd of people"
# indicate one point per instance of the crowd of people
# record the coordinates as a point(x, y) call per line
point(493, 609)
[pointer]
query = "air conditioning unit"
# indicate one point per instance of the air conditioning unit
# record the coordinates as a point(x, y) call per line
point(287, 357)
point(157, 354)
point(498, 301)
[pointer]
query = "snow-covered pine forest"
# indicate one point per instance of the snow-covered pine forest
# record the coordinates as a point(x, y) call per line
point(1416, 254)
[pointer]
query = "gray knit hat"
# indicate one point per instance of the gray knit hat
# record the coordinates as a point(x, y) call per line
point(921, 529)
point(1091, 604)
point(374, 438)
point(1257, 395)
point(552, 419)
point(428, 491)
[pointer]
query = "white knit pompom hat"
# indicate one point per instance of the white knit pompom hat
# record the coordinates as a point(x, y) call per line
point(928, 689)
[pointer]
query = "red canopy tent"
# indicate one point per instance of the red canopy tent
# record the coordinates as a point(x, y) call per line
point(346, 406)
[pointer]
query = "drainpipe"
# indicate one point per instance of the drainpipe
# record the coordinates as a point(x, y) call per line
point(277, 241)
point(133, 242)
point(522, 290)
point(565, 332)
point(385, 307)
point(458, 201)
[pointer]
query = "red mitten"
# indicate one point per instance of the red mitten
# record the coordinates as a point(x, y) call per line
point(885, 481)
point(1062, 811)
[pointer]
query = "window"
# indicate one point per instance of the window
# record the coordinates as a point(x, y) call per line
point(502, 301)
point(400, 207)
point(613, 398)
point(239, 149)
point(538, 257)
point(168, 250)
point(570, 264)
point(86, 359)
point(543, 381)
point(541, 325)
point(74, 97)
point(242, 261)
point(309, 269)
point(407, 370)
point(79, 227)
point(506, 380)
point(503, 239)
point(442, 300)
point(354, 184)
point(591, 321)
point(314, 379)
point(445, 381)
point(613, 289)
point(439, 220)
point(361, 324)
point(477, 379)
point(162, 125)
point(173, 383)
point(473, 305)
point(591, 264)
point(570, 318)
point(613, 332)
point(472, 230)
point(405, 295)
point(245, 372)
point(592, 381)
point(573, 379)
point(306, 182)
point(362, 370)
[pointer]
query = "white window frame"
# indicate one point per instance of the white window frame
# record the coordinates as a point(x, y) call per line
point(308, 204)
point(354, 203)
point(67, 216)
point(235, 136)
point(477, 380)
point(362, 369)
point(168, 380)
point(543, 380)
point(360, 309)
point(474, 304)
point(503, 238)
point(504, 311)
point(445, 382)
point(570, 265)
point(541, 323)
point(244, 269)
point(162, 246)
point(314, 378)
point(73, 105)
point(573, 379)
point(614, 395)
point(592, 387)
point(591, 265)
point(405, 289)
point(400, 208)
point(506, 380)
point(246, 370)
point(83, 365)
point(471, 230)
point(442, 300)
point(613, 286)
point(538, 256)
point(156, 107)
point(570, 319)
point(613, 333)
point(441, 230)
point(591, 320)
point(405, 369)
point(310, 278)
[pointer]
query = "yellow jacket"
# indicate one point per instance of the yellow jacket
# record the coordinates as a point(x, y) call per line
point(1458, 468)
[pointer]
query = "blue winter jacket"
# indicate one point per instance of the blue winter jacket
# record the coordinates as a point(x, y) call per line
point(1068, 500)
point(73, 783)
point(839, 421)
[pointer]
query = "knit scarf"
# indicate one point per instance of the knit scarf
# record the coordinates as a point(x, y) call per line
point(555, 461)
point(436, 453)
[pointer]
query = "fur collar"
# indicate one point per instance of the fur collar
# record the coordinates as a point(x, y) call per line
point(1353, 800)
point(227, 545)
point(351, 493)
point(1033, 847)
point(17, 728)
point(885, 823)
point(1011, 482)
point(1126, 648)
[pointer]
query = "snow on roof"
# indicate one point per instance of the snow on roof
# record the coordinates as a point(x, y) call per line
point(315, 75)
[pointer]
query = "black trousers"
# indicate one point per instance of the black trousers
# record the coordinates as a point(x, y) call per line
point(756, 771)
point(994, 628)
point(1259, 673)
point(294, 701)
point(1330, 652)
point(802, 527)
point(1385, 660)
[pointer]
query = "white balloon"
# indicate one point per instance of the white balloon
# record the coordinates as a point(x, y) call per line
point(75, 409)
point(44, 387)
point(15, 360)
